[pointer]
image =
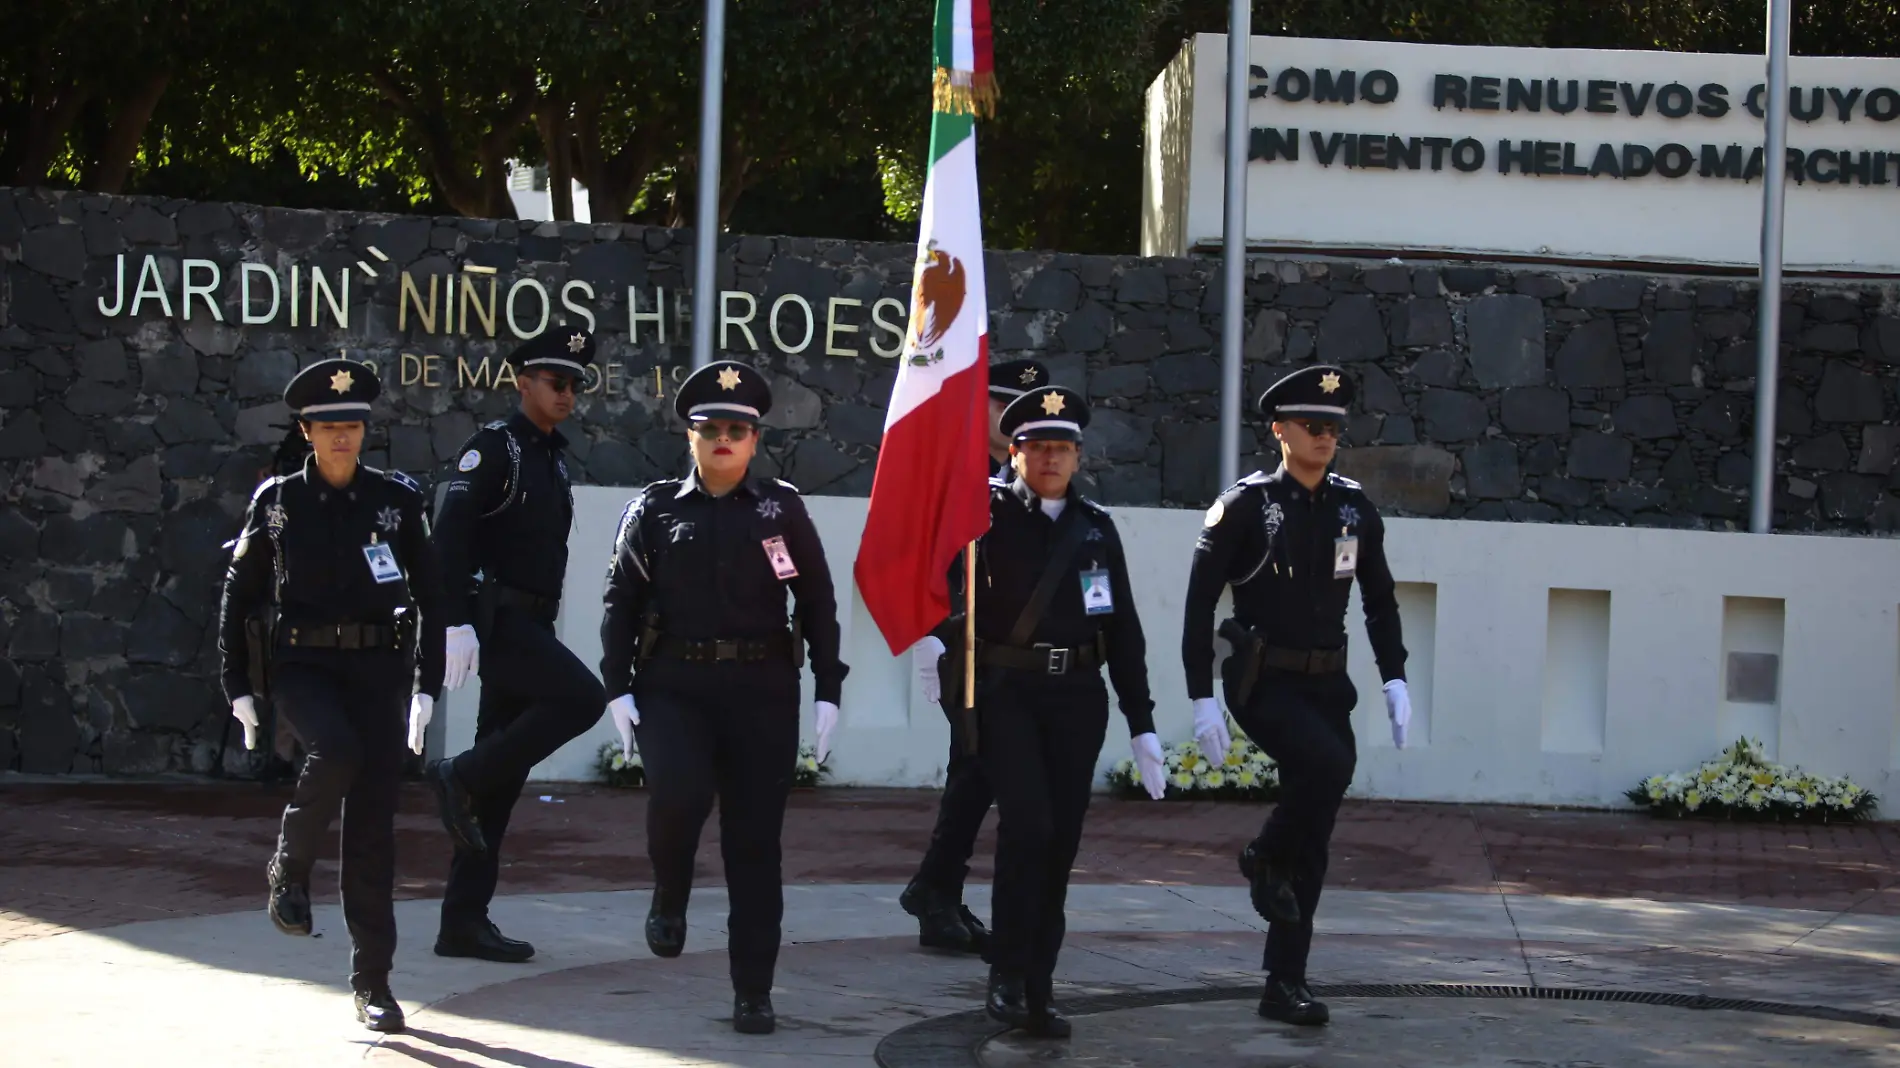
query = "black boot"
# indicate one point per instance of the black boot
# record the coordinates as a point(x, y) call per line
point(939, 926)
point(1271, 890)
point(481, 940)
point(1291, 1002)
point(979, 934)
point(457, 807)
point(666, 924)
point(1045, 1020)
point(752, 1014)
point(1006, 1003)
point(377, 1010)
point(289, 899)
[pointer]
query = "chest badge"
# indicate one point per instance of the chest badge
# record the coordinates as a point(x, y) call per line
point(275, 518)
point(769, 509)
point(682, 531)
point(1348, 516)
point(1272, 518)
point(389, 519)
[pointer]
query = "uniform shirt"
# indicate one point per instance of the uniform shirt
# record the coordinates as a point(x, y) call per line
point(1010, 559)
point(1273, 540)
point(513, 532)
point(305, 538)
point(701, 562)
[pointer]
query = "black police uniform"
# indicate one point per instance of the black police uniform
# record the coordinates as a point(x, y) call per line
point(695, 629)
point(935, 893)
point(344, 574)
point(502, 534)
point(1277, 544)
point(1041, 706)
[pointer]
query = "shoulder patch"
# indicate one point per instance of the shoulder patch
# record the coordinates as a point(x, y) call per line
point(1214, 513)
point(470, 461)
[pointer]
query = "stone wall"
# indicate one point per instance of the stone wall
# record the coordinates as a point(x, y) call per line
point(129, 443)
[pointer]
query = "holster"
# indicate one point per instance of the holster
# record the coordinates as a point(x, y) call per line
point(260, 632)
point(649, 636)
point(1246, 660)
point(487, 600)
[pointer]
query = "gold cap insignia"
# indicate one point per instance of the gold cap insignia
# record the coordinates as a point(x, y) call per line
point(1328, 382)
point(1052, 404)
point(728, 378)
point(1028, 376)
point(577, 342)
point(342, 381)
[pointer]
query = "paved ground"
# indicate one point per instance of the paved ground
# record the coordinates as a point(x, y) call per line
point(131, 931)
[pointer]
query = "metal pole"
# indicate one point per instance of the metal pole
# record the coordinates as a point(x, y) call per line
point(706, 226)
point(1234, 238)
point(1774, 188)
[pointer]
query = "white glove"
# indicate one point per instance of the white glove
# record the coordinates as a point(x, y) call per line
point(1398, 706)
point(421, 710)
point(826, 716)
point(462, 657)
point(245, 709)
point(1154, 775)
point(1210, 727)
point(923, 657)
point(626, 718)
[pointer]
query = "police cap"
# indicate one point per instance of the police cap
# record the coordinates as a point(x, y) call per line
point(333, 391)
point(1052, 413)
point(1317, 392)
point(1013, 378)
point(563, 349)
point(725, 389)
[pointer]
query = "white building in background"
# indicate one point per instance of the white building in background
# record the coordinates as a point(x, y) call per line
point(528, 188)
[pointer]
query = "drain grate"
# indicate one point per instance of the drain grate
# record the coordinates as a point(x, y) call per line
point(952, 1041)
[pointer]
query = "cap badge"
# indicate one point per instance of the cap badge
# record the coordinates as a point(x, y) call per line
point(728, 378)
point(577, 342)
point(1052, 404)
point(1028, 377)
point(342, 381)
point(1328, 382)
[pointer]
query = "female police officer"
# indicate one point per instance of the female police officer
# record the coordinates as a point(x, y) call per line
point(333, 557)
point(696, 651)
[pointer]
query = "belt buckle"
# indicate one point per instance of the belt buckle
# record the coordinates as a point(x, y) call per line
point(725, 650)
point(1057, 660)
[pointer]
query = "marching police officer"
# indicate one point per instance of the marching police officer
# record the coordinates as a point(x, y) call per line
point(704, 669)
point(1290, 544)
point(502, 534)
point(1053, 605)
point(325, 584)
point(935, 893)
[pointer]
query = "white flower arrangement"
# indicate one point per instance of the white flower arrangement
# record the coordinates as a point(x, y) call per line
point(1743, 784)
point(1243, 773)
point(618, 769)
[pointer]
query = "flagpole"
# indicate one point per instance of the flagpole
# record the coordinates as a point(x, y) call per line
point(1774, 195)
point(969, 625)
point(706, 221)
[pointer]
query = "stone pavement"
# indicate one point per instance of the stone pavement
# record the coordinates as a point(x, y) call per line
point(131, 930)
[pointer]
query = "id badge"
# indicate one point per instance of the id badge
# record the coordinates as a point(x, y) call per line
point(382, 562)
point(781, 558)
point(1345, 557)
point(1096, 598)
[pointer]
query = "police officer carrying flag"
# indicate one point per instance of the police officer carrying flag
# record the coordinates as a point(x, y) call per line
point(935, 893)
point(320, 608)
point(502, 534)
point(1290, 544)
point(702, 666)
point(1053, 606)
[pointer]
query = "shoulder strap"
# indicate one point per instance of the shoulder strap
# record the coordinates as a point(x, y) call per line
point(1071, 528)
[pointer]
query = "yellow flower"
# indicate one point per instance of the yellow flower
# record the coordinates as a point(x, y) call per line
point(1214, 780)
point(1693, 799)
point(1709, 773)
point(1246, 778)
point(1184, 780)
point(1763, 777)
point(1810, 799)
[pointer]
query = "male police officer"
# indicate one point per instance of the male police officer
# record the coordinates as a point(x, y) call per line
point(935, 893)
point(502, 535)
point(333, 556)
point(1053, 605)
point(1290, 544)
point(696, 651)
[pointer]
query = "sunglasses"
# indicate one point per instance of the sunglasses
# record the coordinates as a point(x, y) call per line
point(557, 383)
point(1319, 428)
point(735, 431)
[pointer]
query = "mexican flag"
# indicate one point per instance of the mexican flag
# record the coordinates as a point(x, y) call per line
point(931, 497)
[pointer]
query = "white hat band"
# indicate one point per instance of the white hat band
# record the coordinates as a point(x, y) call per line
point(1318, 409)
point(722, 406)
point(1006, 391)
point(1047, 424)
point(343, 406)
point(577, 368)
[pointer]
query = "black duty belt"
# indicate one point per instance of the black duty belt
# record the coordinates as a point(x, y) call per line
point(542, 608)
point(743, 650)
point(1042, 657)
point(338, 635)
point(1304, 661)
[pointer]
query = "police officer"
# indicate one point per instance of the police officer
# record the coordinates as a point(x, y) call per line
point(935, 893)
point(502, 534)
point(1053, 606)
point(1290, 544)
point(341, 551)
point(704, 669)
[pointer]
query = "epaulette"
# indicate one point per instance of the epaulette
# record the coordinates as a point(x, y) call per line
point(403, 480)
point(786, 484)
point(1094, 506)
point(499, 424)
point(1341, 480)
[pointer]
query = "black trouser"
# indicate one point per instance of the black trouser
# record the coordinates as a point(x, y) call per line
point(711, 729)
point(536, 697)
point(350, 709)
point(1304, 722)
point(1040, 736)
point(966, 800)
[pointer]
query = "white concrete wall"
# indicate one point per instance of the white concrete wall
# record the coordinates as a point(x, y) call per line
point(1518, 695)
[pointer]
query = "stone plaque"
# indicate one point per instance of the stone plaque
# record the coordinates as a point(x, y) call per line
point(1754, 678)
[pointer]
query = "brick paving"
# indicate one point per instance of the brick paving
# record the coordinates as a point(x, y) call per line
point(77, 856)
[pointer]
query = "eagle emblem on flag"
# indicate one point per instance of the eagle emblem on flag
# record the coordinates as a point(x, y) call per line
point(936, 297)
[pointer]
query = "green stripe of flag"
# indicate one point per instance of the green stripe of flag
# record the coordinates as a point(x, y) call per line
point(944, 46)
point(947, 132)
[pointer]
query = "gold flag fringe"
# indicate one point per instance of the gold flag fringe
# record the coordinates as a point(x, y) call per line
point(962, 92)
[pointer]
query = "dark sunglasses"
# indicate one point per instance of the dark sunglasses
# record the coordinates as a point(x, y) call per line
point(735, 431)
point(1319, 428)
point(557, 383)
